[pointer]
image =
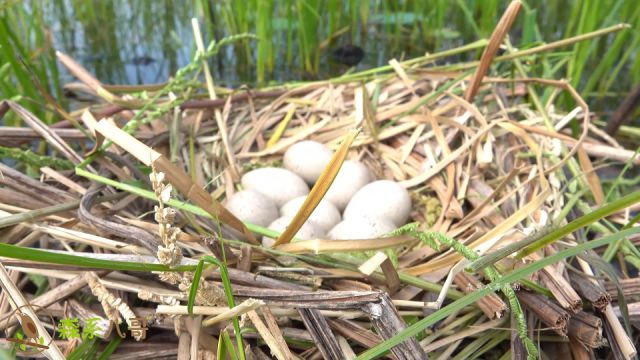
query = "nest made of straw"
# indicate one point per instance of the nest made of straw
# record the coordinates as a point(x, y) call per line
point(485, 166)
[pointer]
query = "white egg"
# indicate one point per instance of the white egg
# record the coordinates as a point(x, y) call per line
point(280, 185)
point(361, 228)
point(352, 176)
point(308, 231)
point(307, 159)
point(325, 215)
point(384, 199)
point(252, 206)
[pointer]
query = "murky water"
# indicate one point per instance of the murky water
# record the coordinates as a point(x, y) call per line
point(141, 42)
point(147, 41)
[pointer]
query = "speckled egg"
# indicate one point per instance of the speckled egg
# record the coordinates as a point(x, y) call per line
point(325, 215)
point(383, 199)
point(361, 228)
point(307, 159)
point(252, 206)
point(280, 185)
point(308, 231)
point(352, 176)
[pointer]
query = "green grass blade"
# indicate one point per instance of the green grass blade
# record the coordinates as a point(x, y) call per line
point(225, 347)
point(582, 221)
point(84, 350)
point(24, 253)
point(226, 283)
point(194, 286)
point(110, 348)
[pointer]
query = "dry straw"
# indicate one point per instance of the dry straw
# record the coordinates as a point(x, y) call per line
point(485, 168)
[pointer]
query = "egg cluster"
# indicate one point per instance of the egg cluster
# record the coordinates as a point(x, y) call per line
point(356, 206)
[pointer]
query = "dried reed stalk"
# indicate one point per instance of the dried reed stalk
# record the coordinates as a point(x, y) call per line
point(490, 51)
point(387, 322)
point(619, 340)
point(277, 345)
point(491, 305)
point(18, 302)
point(546, 310)
point(586, 328)
point(630, 288)
point(591, 291)
point(176, 176)
point(222, 126)
point(322, 335)
point(355, 332)
point(561, 289)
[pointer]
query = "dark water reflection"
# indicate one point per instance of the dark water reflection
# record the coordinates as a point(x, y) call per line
point(146, 41)
point(127, 42)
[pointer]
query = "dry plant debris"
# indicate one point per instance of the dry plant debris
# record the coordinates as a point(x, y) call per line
point(489, 172)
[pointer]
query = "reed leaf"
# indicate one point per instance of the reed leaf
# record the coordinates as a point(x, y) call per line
point(319, 189)
point(43, 256)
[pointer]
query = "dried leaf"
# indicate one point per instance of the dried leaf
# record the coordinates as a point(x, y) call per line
point(319, 189)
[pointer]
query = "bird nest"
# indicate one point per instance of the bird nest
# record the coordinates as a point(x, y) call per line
point(498, 179)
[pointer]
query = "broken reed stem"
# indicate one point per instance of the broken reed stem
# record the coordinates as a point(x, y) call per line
point(36, 214)
point(387, 322)
point(586, 328)
point(491, 305)
point(546, 310)
point(272, 325)
point(391, 276)
point(614, 344)
point(242, 308)
point(590, 291)
point(355, 332)
point(561, 290)
point(52, 296)
point(618, 338)
point(630, 287)
point(559, 287)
